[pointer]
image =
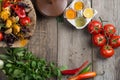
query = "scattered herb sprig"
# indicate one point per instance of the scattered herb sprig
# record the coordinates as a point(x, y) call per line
point(21, 64)
point(60, 19)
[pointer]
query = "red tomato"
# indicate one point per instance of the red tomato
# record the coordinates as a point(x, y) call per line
point(1, 36)
point(25, 21)
point(99, 40)
point(115, 41)
point(107, 51)
point(95, 27)
point(109, 30)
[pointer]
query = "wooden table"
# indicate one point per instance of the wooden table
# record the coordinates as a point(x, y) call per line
point(65, 45)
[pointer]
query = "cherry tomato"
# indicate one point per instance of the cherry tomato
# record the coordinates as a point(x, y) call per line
point(107, 51)
point(25, 21)
point(115, 41)
point(1, 36)
point(99, 40)
point(109, 30)
point(95, 27)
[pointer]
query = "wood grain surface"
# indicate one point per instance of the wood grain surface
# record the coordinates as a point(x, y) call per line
point(65, 45)
point(71, 47)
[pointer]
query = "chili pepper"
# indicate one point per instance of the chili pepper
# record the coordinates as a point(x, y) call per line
point(86, 69)
point(84, 76)
point(74, 71)
point(19, 10)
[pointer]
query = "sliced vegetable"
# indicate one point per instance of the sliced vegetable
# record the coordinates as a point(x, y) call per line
point(16, 28)
point(4, 15)
point(8, 23)
point(19, 10)
point(6, 4)
point(74, 71)
point(8, 31)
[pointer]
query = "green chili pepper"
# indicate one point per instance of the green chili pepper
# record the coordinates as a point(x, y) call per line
point(86, 69)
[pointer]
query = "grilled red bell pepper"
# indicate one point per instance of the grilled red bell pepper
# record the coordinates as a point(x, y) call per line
point(74, 71)
point(6, 3)
point(19, 10)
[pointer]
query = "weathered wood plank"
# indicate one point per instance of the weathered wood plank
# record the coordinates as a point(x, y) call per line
point(44, 41)
point(73, 46)
point(108, 10)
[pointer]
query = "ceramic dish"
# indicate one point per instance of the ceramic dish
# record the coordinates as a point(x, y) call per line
point(79, 13)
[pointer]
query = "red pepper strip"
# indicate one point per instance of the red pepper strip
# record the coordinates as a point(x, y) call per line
point(74, 71)
point(19, 10)
point(6, 4)
point(84, 76)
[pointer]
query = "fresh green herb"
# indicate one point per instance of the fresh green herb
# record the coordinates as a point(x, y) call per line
point(2, 25)
point(21, 64)
point(60, 19)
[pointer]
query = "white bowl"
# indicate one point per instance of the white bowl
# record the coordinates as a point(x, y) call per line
point(80, 14)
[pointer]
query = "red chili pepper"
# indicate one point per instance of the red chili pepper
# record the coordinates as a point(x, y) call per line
point(19, 10)
point(74, 71)
point(84, 76)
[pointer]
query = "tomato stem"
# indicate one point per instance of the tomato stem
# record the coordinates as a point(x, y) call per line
point(107, 37)
point(101, 20)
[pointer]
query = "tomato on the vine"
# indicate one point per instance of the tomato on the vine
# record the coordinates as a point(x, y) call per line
point(99, 40)
point(25, 21)
point(95, 27)
point(1, 36)
point(109, 30)
point(107, 51)
point(115, 41)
